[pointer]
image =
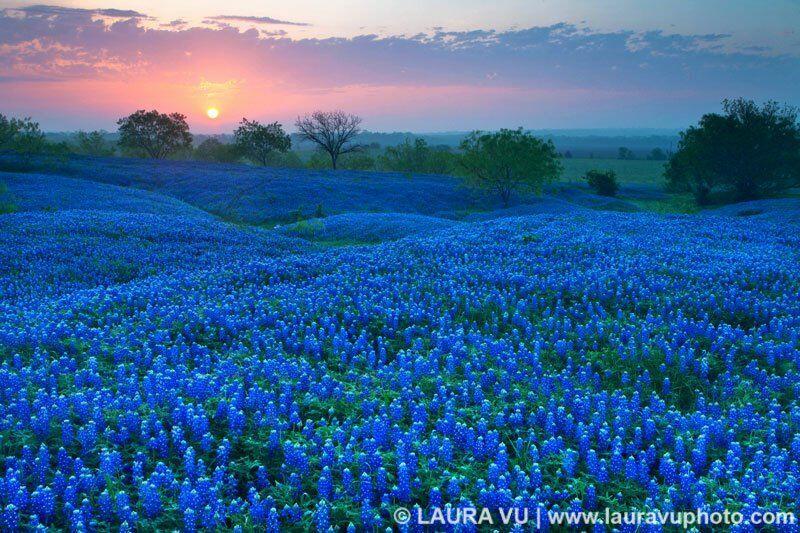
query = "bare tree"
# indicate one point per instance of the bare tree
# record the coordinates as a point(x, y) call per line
point(331, 130)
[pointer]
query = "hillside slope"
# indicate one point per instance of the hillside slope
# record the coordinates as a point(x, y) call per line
point(624, 358)
point(51, 192)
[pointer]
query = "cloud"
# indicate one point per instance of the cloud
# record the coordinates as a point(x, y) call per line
point(177, 23)
point(49, 11)
point(255, 20)
point(526, 74)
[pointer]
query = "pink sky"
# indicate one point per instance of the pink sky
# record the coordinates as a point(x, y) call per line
point(73, 68)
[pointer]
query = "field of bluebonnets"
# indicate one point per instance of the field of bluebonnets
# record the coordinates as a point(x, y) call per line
point(165, 370)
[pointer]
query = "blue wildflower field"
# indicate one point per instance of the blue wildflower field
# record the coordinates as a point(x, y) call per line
point(164, 370)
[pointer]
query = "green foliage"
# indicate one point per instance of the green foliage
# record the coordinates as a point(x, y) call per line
point(508, 161)
point(626, 154)
point(319, 160)
point(257, 142)
point(417, 158)
point(630, 171)
point(93, 143)
point(750, 151)
point(603, 182)
point(288, 159)
point(657, 154)
point(21, 136)
point(157, 135)
point(357, 161)
point(212, 149)
point(6, 205)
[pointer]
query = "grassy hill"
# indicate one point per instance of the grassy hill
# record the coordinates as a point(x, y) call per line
point(636, 171)
point(51, 192)
point(280, 195)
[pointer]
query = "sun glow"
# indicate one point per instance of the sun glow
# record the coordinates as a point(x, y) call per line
point(212, 112)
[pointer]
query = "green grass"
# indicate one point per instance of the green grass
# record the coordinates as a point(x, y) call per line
point(674, 203)
point(6, 205)
point(635, 171)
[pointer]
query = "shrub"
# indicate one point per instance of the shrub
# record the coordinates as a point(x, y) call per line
point(750, 151)
point(319, 160)
point(603, 182)
point(625, 154)
point(6, 205)
point(93, 143)
point(212, 149)
point(418, 157)
point(508, 161)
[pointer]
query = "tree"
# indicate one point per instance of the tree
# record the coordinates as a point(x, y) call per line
point(507, 161)
point(8, 131)
point(93, 143)
point(21, 135)
point(156, 134)
point(212, 149)
point(257, 142)
point(407, 156)
point(657, 154)
point(417, 157)
point(625, 153)
point(603, 182)
point(332, 131)
point(750, 150)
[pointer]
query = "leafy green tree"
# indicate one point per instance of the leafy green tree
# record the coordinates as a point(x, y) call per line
point(625, 153)
point(21, 136)
point(750, 150)
point(441, 160)
point(94, 143)
point(657, 154)
point(258, 142)
point(158, 135)
point(603, 182)
point(8, 130)
point(408, 156)
point(212, 149)
point(507, 161)
point(417, 157)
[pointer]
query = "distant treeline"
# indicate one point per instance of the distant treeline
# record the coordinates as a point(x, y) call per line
point(602, 144)
point(748, 151)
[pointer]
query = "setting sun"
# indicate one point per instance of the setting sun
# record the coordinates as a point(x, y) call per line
point(212, 112)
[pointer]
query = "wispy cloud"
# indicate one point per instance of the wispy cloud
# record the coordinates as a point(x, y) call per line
point(255, 20)
point(47, 10)
point(526, 74)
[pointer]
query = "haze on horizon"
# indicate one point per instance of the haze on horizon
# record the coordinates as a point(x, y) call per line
point(417, 66)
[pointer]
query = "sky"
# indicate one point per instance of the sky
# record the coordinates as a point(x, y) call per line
point(410, 65)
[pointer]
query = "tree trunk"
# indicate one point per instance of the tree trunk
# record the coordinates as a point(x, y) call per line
point(334, 157)
point(506, 196)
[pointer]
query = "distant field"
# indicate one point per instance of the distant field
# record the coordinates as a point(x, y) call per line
point(636, 171)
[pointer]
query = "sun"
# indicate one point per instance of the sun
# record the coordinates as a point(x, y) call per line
point(212, 112)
